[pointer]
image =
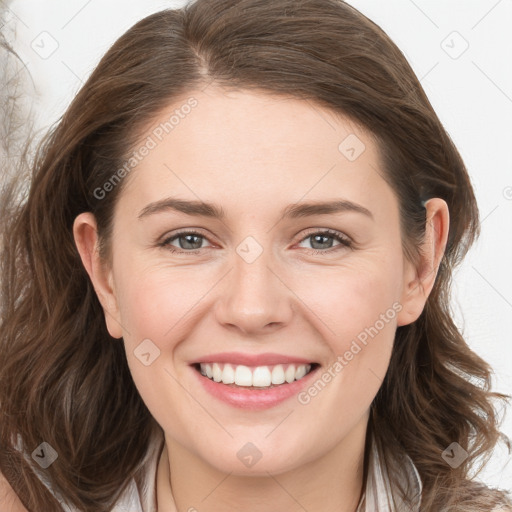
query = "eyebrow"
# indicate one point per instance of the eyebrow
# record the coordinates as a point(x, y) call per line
point(293, 211)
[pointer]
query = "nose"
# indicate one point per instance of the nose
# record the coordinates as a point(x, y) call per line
point(254, 299)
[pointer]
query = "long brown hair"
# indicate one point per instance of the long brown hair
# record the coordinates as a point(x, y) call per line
point(65, 381)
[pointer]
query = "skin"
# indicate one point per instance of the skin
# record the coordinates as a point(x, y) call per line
point(254, 154)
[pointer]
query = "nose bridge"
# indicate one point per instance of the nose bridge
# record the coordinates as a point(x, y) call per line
point(254, 297)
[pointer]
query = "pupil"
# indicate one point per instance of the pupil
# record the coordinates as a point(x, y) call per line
point(186, 237)
point(315, 237)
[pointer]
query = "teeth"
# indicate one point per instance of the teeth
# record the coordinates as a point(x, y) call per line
point(243, 376)
point(289, 374)
point(278, 374)
point(260, 376)
point(301, 371)
point(228, 375)
point(217, 372)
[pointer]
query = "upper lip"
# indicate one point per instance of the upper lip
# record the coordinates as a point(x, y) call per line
point(238, 358)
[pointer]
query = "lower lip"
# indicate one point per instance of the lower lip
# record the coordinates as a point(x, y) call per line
point(254, 399)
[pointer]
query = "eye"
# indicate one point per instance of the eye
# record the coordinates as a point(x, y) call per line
point(188, 241)
point(320, 240)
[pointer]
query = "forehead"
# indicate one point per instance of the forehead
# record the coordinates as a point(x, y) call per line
point(247, 146)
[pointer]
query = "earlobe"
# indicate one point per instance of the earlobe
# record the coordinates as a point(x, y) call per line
point(419, 278)
point(86, 240)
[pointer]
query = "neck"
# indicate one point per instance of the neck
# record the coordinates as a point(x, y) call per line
point(330, 483)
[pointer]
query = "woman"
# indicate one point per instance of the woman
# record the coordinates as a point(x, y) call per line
point(228, 288)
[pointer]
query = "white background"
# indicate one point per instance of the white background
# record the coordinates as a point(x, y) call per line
point(470, 88)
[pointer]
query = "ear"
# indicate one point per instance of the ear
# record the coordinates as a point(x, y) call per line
point(86, 239)
point(419, 278)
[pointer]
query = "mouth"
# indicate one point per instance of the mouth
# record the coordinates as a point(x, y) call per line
point(254, 377)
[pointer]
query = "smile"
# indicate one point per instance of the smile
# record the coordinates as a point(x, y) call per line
point(253, 382)
point(263, 377)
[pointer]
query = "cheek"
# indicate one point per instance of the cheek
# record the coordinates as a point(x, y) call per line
point(353, 301)
point(157, 304)
point(357, 315)
point(367, 310)
point(153, 300)
point(355, 309)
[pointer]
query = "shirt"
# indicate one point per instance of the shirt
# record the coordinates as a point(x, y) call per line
point(378, 495)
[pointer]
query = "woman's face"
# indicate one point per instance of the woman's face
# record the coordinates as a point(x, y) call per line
point(262, 286)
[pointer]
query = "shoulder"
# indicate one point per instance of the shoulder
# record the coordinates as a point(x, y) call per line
point(9, 500)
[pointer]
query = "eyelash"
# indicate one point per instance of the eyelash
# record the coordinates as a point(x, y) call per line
point(344, 241)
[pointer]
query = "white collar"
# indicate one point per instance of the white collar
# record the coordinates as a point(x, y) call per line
point(379, 495)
